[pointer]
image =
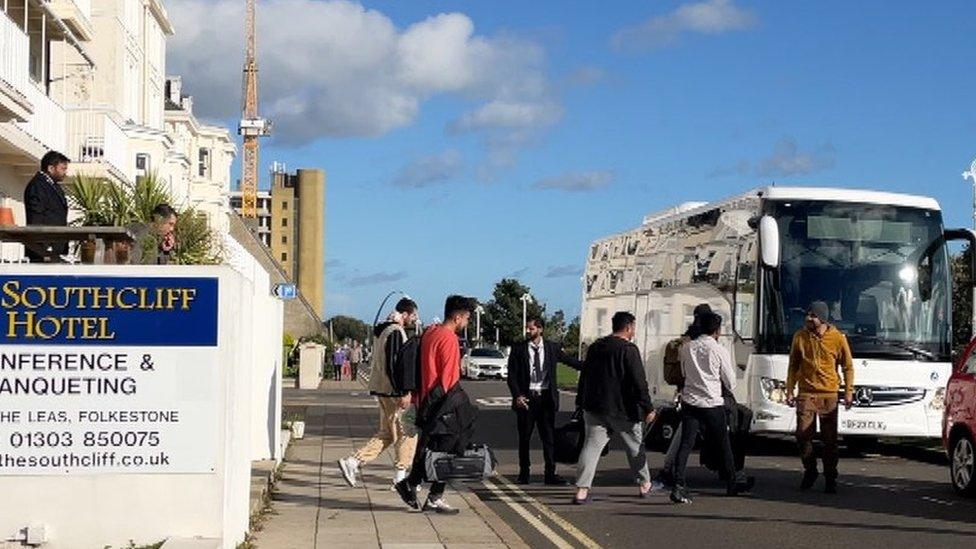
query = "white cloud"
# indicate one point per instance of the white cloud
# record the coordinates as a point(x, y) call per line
point(560, 271)
point(706, 17)
point(509, 115)
point(786, 160)
point(577, 182)
point(333, 68)
point(429, 170)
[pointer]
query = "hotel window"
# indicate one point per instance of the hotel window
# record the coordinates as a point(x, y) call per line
point(284, 239)
point(204, 162)
point(284, 205)
point(284, 222)
point(284, 256)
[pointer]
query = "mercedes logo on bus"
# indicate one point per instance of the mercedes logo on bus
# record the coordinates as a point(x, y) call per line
point(864, 396)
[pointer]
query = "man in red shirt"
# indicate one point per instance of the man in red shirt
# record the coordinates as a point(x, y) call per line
point(440, 364)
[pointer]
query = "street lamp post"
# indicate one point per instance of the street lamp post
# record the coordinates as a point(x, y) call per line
point(526, 299)
point(971, 174)
point(478, 311)
point(376, 319)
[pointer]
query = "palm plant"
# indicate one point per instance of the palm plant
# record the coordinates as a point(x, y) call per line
point(196, 241)
point(88, 195)
point(118, 205)
point(148, 193)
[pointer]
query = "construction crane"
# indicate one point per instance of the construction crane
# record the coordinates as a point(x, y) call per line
point(252, 126)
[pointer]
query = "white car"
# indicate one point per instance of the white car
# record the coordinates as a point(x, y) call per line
point(484, 362)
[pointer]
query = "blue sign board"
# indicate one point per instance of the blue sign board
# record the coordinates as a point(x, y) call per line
point(107, 310)
point(285, 291)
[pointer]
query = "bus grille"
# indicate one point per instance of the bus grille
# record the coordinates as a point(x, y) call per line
point(867, 396)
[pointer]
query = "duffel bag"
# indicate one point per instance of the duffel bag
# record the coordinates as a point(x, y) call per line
point(568, 440)
point(476, 463)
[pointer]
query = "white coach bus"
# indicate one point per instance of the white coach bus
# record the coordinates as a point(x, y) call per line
point(878, 259)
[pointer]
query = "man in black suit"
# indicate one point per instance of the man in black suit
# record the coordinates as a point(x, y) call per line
point(44, 199)
point(535, 397)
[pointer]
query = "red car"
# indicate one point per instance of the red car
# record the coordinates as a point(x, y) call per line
point(959, 423)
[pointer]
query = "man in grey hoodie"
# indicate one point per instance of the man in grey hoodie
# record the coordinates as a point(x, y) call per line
point(389, 338)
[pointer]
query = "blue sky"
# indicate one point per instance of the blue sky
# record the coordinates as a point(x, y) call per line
point(578, 120)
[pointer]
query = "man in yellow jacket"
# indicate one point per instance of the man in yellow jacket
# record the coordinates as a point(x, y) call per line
point(818, 350)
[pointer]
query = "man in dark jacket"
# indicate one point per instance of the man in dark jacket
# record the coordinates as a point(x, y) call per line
point(614, 398)
point(45, 202)
point(535, 397)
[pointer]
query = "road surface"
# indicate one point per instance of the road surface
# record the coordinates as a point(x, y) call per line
point(897, 498)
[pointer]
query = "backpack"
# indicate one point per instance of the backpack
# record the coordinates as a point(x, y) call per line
point(405, 376)
point(672, 363)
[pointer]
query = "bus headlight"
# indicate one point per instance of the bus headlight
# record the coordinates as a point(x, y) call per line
point(938, 401)
point(773, 389)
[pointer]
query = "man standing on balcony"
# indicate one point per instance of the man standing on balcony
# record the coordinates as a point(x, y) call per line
point(45, 202)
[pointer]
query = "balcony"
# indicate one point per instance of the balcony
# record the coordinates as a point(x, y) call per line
point(76, 14)
point(32, 122)
point(14, 63)
point(97, 145)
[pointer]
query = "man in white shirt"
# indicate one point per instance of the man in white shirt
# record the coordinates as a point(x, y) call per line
point(707, 367)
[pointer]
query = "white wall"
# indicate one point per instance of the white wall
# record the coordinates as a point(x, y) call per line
point(89, 510)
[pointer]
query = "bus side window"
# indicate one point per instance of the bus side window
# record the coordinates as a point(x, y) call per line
point(745, 291)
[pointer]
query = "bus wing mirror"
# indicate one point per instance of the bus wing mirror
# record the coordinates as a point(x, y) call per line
point(969, 236)
point(769, 242)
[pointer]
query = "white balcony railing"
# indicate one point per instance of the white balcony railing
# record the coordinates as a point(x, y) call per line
point(95, 138)
point(14, 54)
point(47, 124)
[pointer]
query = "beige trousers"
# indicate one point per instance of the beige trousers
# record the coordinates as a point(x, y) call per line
point(391, 433)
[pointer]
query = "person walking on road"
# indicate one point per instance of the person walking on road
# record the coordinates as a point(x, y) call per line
point(535, 397)
point(440, 402)
point(355, 359)
point(338, 359)
point(614, 398)
point(664, 480)
point(706, 367)
point(389, 338)
point(817, 351)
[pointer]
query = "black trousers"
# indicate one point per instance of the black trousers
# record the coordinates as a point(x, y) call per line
point(713, 421)
point(337, 372)
point(542, 414)
point(418, 471)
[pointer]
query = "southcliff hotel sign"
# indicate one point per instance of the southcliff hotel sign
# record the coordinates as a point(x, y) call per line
point(104, 374)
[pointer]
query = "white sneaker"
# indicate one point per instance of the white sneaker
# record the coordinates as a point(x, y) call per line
point(440, 506)
point(349, 467)
point(399, 475)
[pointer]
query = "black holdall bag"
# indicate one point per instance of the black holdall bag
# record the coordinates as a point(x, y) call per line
point(477, 462)
point(568, 440)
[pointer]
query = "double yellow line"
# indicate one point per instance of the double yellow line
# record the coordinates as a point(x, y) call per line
point(526, 500)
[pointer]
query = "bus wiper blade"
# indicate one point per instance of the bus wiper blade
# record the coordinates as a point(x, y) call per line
point(917, 351)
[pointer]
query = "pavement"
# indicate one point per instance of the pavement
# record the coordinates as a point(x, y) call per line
point(898, 496)
point(313, 507)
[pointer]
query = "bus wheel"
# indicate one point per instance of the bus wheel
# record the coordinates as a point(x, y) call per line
point(961, 466)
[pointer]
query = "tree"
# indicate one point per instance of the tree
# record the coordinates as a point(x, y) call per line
point(504, 311)
point(556, 326)
point(962, 300)
point(572, 340)
point(347, 327)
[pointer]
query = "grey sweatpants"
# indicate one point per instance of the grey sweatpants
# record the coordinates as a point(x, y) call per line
point(597, 436)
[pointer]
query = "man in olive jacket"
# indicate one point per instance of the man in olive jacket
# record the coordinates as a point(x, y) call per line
point(393, 401)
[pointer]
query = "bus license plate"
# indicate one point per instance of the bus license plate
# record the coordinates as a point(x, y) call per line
point(864, 425)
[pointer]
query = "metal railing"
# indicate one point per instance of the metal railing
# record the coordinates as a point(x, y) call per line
point(95, 137)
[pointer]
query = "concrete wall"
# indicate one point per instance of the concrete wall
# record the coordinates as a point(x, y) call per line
point(95, 510)
point(300, 319)
point(311, 237)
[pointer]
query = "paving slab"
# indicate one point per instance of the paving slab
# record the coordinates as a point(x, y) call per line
point(313, 507)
